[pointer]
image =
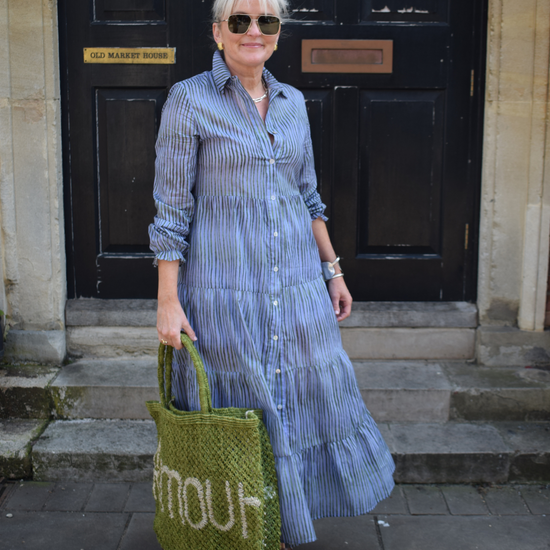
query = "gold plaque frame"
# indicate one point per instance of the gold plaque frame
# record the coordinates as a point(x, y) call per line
point(347, 56)
point(130, 56)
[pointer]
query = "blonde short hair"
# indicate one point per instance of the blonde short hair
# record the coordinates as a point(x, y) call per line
point(223, 8)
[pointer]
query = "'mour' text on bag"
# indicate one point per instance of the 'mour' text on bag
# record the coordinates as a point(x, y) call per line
point(192, 488)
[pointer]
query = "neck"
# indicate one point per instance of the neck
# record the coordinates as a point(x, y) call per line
point(250, 77)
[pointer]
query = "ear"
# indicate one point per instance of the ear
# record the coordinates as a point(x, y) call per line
point(216, 32)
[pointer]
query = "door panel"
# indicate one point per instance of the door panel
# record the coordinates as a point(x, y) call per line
point(126, 165)
point(398, 11)
point(129, 10)
point(401, 141)
point(397, 155)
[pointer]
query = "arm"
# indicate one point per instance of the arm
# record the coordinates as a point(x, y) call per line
point(339, 293)
point(170, 316)
point(175, 170)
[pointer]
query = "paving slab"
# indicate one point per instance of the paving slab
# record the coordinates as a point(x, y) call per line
point(24, 391)
point(404, 390)
point(464, 500)
point(530, 443)
point(16, 436)
point(425, 500)
point(108, 497)
point(62, 531)
point(505, 393)
point(505, 501)
point(96, 450)
point(394, 504)
point(451, 452)
point(109, 388)
point(140, 534)
point(141, 498)
point(29, 496)
point(357, 533)
point(465, 533)
point(68, 497)
point(537, 498)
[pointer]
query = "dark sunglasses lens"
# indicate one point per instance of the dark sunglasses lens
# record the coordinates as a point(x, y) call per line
point(238, 24)
point(269, 24)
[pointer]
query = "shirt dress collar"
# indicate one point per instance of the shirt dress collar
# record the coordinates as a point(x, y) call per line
point(222, 77)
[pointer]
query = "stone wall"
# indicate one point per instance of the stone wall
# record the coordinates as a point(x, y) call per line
point(33, 290)
point(515, 203)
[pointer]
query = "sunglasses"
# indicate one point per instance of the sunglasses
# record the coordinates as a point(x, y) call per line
point(240, 23)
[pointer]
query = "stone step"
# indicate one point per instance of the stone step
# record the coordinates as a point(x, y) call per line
point(360, 343)
point(374, 330)
point(423, 391)
point(108, 388)
point(416, 391)
point(16, 438)
point(98, 450)
point(24, 391)
point(88, 312)
point(452, 452)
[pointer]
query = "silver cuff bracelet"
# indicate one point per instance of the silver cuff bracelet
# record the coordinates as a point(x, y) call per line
point(328, 269)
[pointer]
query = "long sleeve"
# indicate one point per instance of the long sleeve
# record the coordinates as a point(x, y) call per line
point(308, 178)
point(175, 172)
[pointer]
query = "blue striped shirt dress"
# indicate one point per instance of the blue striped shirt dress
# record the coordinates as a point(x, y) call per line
point(237, 211)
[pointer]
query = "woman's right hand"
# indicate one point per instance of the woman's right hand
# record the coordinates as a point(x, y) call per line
point(171, 319)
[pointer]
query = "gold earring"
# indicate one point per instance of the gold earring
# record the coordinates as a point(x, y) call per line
point(220, 46)
point(276, 47)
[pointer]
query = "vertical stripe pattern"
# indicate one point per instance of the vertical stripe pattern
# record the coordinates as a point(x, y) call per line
point(237, 211)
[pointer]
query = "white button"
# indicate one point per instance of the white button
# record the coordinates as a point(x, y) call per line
point(275, 234)
point(278, 371)
point(273, 197)
point(271, 161)
point(275, 303)
point(275, 268)
point(275, 337)
point(279, 407)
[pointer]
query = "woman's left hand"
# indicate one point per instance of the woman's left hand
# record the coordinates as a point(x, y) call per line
point(341, 298)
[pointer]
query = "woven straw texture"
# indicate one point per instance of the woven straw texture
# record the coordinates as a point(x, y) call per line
point(214, 482)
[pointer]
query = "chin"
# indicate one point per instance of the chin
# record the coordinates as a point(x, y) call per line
point(253, 59)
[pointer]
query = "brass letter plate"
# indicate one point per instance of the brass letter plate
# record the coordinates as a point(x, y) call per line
point(142, 56)
point(347, 56)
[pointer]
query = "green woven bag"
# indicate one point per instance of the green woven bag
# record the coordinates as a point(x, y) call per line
point(214, 478)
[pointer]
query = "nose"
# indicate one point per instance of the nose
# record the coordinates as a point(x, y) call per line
point(254, 29)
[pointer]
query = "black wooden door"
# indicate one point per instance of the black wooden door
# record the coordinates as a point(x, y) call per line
point(111, 114)
point(397, 153)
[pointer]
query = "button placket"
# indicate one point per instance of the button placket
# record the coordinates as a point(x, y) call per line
point(275, 326)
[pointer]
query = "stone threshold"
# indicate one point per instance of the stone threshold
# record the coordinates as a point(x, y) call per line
point(142, 313)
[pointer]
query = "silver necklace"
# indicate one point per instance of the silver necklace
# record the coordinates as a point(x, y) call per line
point(258, 99)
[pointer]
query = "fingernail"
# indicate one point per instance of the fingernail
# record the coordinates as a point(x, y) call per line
point(337, 311)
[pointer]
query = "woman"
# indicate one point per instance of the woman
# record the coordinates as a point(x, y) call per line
point(235, 190)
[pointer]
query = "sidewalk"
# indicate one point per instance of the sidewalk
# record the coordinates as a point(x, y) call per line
point(119, 516)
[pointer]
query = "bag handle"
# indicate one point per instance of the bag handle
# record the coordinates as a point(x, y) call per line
point(165, 357)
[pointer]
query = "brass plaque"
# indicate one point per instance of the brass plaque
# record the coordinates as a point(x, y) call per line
point(347, 56)
point(141, 56)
